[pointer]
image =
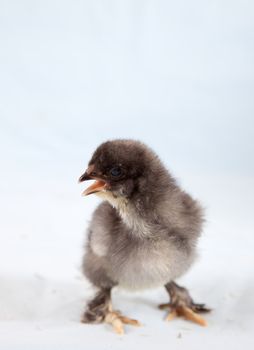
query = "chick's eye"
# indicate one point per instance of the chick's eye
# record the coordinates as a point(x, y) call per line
point(116, 171)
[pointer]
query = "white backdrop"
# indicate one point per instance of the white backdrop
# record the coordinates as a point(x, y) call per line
point(176, 75)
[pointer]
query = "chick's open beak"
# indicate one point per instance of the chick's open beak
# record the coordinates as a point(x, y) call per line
point(97, 186)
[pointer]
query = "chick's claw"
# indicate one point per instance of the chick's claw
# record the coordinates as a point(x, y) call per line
point(114, 319)
point(189, 313)
point(117, 321)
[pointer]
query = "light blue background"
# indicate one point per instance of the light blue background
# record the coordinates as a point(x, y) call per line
point(178, 75)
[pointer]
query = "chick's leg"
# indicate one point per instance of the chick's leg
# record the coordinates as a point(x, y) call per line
point(100, 310)
point(181, 304)
point(97, 308)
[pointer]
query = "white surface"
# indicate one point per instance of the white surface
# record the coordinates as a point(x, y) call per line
point(178, 76)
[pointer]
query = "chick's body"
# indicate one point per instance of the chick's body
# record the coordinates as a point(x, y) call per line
point(144, 233)
point(134, 259)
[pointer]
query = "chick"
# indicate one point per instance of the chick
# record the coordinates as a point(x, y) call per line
point(142, 235)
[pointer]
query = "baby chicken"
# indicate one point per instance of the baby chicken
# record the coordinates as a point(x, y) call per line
point(142, 235)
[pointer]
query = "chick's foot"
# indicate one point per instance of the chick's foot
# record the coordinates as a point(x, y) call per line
point(182, 305)
point(100, 310)
point(117, 320)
